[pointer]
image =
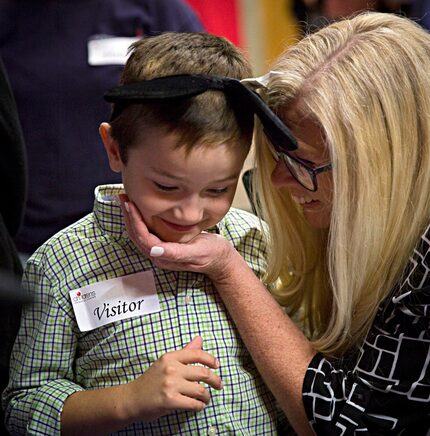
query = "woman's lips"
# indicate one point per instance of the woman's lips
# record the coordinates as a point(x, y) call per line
point(314, 204)
point(306, 202)
point(178, 227)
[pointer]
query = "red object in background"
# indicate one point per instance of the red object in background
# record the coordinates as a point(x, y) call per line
point(220, 17)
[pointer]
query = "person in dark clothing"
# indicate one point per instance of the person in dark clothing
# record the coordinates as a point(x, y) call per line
point(13, 179)
point(312, 15)
point(13, 175)
point(61, 57)
point(420, 12)
point(346, 196)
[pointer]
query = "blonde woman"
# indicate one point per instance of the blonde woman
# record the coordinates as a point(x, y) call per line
point(348, 207)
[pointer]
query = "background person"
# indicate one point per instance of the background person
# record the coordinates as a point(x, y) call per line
point(13, 176)
point(349, 217)
point(314, 14)
point(61, 57)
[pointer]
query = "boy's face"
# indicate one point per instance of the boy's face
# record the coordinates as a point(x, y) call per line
point(179, 195)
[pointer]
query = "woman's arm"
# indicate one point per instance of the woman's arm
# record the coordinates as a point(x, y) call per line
point(366, 395)
point(279, 349)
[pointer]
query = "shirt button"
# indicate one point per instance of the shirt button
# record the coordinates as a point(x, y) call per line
point(188, 300)
point(212, 431)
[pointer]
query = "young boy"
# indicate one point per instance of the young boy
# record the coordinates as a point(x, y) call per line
point(96, 352)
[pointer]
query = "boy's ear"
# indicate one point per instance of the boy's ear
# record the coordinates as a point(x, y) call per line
point(111, 147)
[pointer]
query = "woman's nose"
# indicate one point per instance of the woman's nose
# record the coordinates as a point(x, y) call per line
point(281, 175)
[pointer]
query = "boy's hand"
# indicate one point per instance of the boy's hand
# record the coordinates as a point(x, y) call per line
point(172, 383)
point(207, 253)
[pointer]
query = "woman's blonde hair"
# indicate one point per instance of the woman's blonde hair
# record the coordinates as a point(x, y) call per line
point(366, 82)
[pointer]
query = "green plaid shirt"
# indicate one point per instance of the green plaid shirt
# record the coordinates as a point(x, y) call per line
point(52, 358)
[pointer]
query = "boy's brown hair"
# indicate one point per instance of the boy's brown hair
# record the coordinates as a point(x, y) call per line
point(210, 118)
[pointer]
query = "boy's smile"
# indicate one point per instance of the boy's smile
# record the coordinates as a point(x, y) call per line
point(178, 193)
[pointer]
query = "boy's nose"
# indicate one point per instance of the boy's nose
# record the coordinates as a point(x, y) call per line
point(281, 175)
point(189, 211)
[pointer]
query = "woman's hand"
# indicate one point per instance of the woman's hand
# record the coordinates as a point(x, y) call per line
point(207, 253)
point(173, 383)
point(263, 325)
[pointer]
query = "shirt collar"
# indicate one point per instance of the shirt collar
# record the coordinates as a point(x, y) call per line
point(107, 212)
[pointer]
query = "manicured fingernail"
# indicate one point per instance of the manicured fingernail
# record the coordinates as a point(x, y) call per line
point(221, 386)
point(217, 363)
point(127, 207)
point(156, 251)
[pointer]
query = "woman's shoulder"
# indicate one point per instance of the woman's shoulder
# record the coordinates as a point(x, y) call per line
point(405, 313)
point(417, 273)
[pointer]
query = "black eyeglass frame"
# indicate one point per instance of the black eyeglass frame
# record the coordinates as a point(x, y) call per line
point(312, 171)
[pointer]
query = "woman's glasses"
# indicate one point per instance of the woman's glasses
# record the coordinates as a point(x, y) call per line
point(304, 172)
point(282, 142)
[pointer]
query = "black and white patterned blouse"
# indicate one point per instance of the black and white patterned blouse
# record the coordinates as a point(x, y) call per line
point(385, 389)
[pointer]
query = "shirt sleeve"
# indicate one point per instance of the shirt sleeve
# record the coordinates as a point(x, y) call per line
point(248, 234)
point(41, 375)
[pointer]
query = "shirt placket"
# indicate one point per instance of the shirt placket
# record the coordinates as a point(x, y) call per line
point(189, 309)
point(187, 283)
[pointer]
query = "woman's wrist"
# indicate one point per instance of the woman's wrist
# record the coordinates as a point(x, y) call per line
point(228, 268)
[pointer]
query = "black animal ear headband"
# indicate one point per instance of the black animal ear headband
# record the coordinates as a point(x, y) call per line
point(189, 85)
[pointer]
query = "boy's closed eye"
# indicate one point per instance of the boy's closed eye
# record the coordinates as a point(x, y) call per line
point(218, 191)
point(210, 191)
point(165, 188)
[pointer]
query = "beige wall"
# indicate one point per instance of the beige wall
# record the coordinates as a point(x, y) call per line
point(267, 28)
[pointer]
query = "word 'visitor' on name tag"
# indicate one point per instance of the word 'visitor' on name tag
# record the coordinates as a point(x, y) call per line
point(116, 299)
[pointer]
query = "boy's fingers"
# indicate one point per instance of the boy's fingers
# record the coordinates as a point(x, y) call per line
point(189, 356)
point(187, 403)
point(191, 401)
point(195, 344)
point(202, 374)
point(196, 391)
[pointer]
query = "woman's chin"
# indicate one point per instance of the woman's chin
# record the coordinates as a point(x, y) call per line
point(317, 220)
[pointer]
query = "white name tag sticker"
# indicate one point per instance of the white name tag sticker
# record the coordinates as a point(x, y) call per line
point(109, 50)
point(112, 300)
